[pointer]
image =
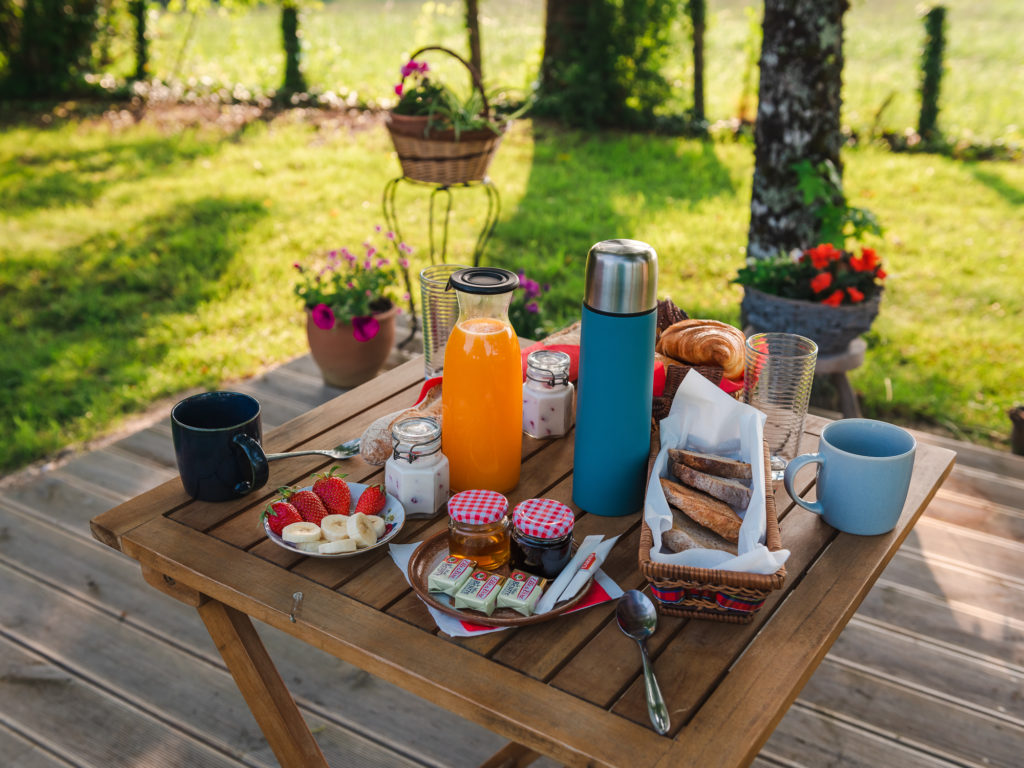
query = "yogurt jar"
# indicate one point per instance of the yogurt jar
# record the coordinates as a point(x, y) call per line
point(547, 394)
point(417, 472)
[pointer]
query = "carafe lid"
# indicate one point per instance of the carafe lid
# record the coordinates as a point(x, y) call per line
point(484, 280)
point(621, 277)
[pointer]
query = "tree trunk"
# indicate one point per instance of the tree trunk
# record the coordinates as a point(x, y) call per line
point(294, 81)
point(565, 23)
point(698, 17)
point(797, 118)
point(473, 28)
point(138, 12)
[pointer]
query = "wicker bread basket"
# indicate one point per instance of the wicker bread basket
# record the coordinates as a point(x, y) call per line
point(441, 157)
point(703, 593)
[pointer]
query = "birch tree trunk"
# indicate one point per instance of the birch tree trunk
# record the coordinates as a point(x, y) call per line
point(797, 118)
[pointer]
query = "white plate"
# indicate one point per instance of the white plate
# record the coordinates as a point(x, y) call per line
point(393, 514)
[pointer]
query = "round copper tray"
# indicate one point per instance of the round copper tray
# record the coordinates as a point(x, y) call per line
point(432, 551)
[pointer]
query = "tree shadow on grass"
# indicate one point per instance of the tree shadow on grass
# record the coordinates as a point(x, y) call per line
point(999, 185)
point(584, 188)
point(34, 180)
point(83, 332)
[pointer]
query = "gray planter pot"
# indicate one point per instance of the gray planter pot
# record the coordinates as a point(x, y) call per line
point(831, 328)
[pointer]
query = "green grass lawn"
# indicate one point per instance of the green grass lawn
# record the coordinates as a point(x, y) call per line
point(138, 260)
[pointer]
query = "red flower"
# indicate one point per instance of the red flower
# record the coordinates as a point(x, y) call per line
point(867, 262)
point(855, 295)
point(880, 274)
point(834, 300)
point(821, 282)
point(823, 254)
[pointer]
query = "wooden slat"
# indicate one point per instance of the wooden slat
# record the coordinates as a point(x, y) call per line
point(978, 513)
point(1007, 490)
point(964, 734)
point(990, 686)
point(262, 687)
point(19, 752)
point(811, 737)
point(764, 681)
point(72, 718)
point(119, 474)
point(464, 681)
point(967, 626)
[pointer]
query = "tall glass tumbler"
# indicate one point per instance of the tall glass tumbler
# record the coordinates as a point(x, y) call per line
point(440, 311)
point(777, 380)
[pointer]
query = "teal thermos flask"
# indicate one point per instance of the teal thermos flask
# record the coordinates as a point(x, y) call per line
point(616, 378)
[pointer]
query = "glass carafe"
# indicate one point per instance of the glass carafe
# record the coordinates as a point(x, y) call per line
point(482, 406)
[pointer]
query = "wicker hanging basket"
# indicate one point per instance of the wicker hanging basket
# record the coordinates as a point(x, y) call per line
point(441, 157)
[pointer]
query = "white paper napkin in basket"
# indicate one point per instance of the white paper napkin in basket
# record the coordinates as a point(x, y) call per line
point(703, 418)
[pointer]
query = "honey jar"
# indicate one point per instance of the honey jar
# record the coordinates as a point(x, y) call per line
point(542, 537)
point(478, 527)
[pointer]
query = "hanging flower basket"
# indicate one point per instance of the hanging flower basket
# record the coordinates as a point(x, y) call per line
point(442, 156)
point(831, 328)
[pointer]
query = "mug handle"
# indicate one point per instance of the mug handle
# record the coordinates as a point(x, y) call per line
point(795, 466)
point(258, 466)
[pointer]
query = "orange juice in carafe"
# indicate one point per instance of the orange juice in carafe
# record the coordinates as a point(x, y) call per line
point(482, 391)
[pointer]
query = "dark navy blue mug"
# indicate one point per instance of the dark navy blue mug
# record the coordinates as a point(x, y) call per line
point(217, 444)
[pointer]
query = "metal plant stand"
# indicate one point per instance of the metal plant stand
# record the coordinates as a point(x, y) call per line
point(439, 254)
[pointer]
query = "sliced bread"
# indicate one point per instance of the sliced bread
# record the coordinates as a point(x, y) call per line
point(730, 491)
point(712, 464)
point(704, 509)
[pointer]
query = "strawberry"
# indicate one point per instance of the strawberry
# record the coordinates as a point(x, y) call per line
point(279, 514)
point(308, 504)
point(372, 500)
point(333, 492)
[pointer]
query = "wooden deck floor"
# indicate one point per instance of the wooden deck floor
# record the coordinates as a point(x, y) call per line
point(98, 669)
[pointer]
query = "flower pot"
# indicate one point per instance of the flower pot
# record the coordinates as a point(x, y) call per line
point(344, 361)
point(831, 328)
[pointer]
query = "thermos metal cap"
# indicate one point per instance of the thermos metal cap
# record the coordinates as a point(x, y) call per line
point(621, 277)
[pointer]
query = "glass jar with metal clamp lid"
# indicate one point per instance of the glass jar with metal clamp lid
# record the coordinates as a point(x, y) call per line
point(417, 472)
point(547, 394)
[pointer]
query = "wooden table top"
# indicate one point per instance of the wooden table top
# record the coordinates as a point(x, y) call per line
point(571, 688)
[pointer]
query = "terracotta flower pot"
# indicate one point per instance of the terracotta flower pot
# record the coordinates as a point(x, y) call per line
point(344, 361)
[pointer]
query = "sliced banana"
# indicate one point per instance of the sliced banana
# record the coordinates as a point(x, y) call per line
point(379, 525)
point(298, 533)
point(310, 546)
point(360, 530)
point(335, 527)
point(337, 546)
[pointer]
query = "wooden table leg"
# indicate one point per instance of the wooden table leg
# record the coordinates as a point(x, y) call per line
point(261, 686)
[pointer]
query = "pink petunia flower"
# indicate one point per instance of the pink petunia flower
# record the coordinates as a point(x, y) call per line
point(364, 328)
point(323, 316)
point(399, 89)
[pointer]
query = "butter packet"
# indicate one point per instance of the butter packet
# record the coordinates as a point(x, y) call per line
point(521, 592)
point(480, 592)
point(450, 574)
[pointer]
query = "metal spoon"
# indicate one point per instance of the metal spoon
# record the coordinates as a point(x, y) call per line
point(638, 619)
point(346, 450)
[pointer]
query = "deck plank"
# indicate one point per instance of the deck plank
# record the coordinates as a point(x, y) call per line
point(19, 752)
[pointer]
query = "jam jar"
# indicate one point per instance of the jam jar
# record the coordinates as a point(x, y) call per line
point(547, 394)
point(417, 472)
point(478, 527)
point(541, 537)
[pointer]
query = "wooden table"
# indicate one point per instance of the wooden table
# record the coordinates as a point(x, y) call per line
point(570, 688)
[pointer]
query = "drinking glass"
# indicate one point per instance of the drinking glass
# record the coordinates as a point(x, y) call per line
point(440, 311)
point(777, 380)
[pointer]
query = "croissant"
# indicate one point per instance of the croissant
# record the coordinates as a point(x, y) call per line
point(705, 342)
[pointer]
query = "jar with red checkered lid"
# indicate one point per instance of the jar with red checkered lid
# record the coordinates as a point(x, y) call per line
point(541, 537)
point(478, 527)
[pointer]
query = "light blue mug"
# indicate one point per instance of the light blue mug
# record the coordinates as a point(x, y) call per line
point(864, 470)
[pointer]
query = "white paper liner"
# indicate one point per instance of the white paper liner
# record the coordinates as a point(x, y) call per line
point(704, 418)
